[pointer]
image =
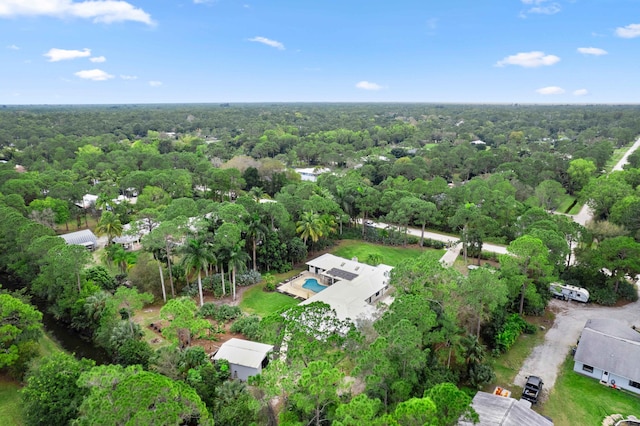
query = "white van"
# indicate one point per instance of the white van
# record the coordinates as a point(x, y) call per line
point(569, 292)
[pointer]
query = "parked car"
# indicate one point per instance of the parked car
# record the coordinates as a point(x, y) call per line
point(532, 389)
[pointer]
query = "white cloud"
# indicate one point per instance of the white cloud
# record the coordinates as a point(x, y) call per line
point(13, 47)
point(595, 51)
point(529, 60)
point(268, 42)
point(542, 7)
point(155, 83)
point(367, 85)
point(630, 31)
point(551, 90)
point(98, 59)
point(128, 77)
point(56, 55)
point(105, 11)
point(95, 75)
point(580, 92)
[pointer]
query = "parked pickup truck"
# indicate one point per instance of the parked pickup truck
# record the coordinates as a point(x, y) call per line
point(532, 389)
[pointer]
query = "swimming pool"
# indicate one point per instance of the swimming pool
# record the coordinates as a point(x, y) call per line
point(313, 285)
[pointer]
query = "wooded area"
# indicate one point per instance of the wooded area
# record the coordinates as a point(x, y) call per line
point(213, 191)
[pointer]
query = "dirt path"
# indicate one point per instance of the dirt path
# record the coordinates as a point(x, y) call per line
point(545, 360)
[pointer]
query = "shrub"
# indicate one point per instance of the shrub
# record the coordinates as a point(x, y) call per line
point(250, 277)
point(227, 312)
point(510, 331)
point(249, 326)
point(208, 310)
point(270, 282)
point(603, 296)
point(628, 291)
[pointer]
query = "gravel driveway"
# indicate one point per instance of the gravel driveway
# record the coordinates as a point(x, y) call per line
point(545, 360)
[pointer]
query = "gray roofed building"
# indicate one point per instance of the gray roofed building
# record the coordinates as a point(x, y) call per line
point(496, 410)
point(84, 238)
point(609, 350)
point(246, 358)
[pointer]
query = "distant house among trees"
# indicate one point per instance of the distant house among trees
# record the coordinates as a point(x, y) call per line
point(84, 238)
point(246, 358)
point(311, 173)
point(609, 351)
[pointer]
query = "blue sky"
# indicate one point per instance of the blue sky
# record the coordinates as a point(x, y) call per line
point(172, 51)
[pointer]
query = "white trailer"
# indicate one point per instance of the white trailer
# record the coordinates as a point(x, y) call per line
point(569, 292)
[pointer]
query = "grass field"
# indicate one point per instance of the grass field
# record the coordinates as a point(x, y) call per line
point(257, 301)
point(389, 255)
point(580, 400)
point(10, 411)
point(566, 203)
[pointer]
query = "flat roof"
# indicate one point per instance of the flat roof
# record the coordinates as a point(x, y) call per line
point(243, 352)
point(349, 297)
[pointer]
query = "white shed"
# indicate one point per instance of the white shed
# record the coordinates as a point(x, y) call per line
point(84, 238)
point(246, 358)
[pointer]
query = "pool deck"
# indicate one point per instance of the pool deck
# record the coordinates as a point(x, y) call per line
point(294, 286)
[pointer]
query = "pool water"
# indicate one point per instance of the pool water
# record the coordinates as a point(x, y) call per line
point(313, 285)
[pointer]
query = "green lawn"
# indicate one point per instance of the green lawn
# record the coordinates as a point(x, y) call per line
point(257, 301)
point(390, 255)
point(567, 201)
point(580, 400)
point(10, 403)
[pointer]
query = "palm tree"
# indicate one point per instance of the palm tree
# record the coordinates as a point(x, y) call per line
point(310, 225)
point(197, 256)
point(256, 229)
point(95, 305)
point(329, 225)
point(110, 226)
point(237, 261)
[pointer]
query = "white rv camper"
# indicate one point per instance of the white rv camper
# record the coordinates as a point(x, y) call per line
point(569, 292)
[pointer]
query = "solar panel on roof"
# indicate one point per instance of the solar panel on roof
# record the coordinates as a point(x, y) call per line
point(335, 272)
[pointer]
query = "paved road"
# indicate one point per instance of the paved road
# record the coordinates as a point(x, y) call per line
point(586, 214)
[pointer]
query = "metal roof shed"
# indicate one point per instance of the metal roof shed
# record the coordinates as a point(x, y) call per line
point(84, 238)
point(245, 357)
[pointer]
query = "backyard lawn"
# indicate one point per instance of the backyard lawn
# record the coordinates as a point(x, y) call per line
point(257, 301)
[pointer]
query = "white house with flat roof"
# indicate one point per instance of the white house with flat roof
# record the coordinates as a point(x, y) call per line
point(246, 358)
point(352, 287)
point(311, 173)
